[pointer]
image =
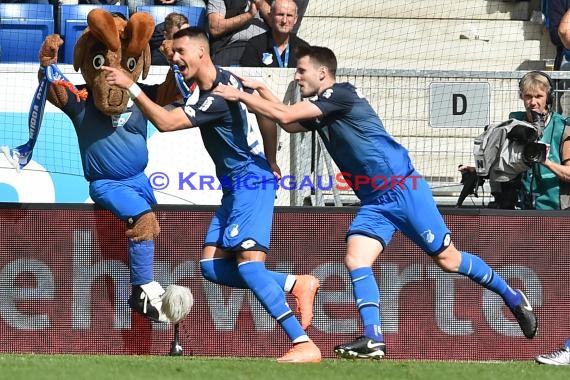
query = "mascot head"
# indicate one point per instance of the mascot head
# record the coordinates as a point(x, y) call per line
point(110, 40)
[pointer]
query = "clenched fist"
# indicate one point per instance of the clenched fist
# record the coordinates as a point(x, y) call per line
point(49, 50)
point(166, 50)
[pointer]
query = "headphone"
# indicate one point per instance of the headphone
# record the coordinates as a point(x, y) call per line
point(549, 95)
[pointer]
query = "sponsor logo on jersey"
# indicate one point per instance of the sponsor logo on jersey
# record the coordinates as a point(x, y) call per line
point(247, 244)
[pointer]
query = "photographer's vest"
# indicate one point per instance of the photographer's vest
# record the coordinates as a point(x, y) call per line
point(233, 8)
point(542, 188)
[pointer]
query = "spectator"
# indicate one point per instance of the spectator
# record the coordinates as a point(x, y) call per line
point(301, 8)
point(546, 185)
point(554, 14)
point(134, 4)
point(164, 31)
point(231, 23)
point(275, 47)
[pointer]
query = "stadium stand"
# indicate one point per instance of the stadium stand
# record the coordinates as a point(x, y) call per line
point(24, 22)
point(405, 34)
point(196, 15)
point(73, 20)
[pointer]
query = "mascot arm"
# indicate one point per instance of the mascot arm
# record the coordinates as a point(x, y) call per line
point(167, 92)
point(58, 95)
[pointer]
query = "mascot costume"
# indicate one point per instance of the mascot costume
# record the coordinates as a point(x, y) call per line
point(112, 134)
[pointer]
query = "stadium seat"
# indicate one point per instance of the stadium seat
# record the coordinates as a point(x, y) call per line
point(23, 28)
point(196, 15)
point(73, 20)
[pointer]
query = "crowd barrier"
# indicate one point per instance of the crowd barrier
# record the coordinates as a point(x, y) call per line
point(64, 285)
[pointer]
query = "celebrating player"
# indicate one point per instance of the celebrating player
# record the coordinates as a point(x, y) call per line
point(357, 141)
point(237, 240)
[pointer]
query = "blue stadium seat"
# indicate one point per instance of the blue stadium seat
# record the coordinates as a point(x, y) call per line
point(23, 28)
point(73, 20)
point(196, 15)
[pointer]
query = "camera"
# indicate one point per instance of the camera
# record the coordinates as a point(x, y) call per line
point(535, 152)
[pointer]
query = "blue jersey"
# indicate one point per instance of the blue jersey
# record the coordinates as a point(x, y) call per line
point(358, 142)
point(111, 147)
point(228, 136)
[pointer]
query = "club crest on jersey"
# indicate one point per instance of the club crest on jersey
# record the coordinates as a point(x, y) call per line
point(267, 59)
point(120, 120)
point(428, 236)
point(234, 230)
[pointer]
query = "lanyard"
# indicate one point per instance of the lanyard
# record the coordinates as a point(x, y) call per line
point(279, 61)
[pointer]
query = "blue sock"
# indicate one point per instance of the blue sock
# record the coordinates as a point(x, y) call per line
point(367, 296)
point(141, 256)
point(271, 297)
point(225, 272)
point(568, 344)
point(478, 270)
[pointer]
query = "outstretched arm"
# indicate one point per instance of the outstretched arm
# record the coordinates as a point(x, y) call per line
point(162, 119)
point(49, 50)
point(287, 116)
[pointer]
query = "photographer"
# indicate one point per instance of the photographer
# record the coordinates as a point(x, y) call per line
point(546, 185)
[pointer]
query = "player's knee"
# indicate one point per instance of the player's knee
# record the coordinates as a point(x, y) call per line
point(208, 270)
point(448, 260)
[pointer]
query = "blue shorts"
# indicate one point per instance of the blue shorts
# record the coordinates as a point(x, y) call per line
point(243, 221)
point(411, 210)
point(126, 198)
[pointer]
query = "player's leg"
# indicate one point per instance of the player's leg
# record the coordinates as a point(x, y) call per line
point(366, 238)
point(432, 235)
point(131, 202)
point(270, 295)
point(248, 235)
point(220, 266)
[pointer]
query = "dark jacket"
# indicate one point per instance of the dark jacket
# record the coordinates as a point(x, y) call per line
point(554, 12)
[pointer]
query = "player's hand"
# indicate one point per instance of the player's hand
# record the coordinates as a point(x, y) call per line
point(276, 170)
point(252, 9)
point(254, 84)
point(50, 49)
point(116, 77)
point(227, 92)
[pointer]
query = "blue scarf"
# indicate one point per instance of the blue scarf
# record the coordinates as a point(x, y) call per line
point(183, 88)
point(20, 156)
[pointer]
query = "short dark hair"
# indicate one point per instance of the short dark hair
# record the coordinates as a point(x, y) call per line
point(323, 55)
point(191, 32)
